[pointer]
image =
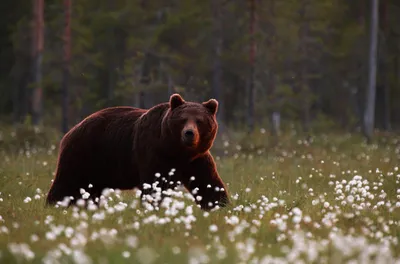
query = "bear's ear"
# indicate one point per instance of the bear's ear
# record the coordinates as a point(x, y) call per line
point(211, 105)
point(175, 100)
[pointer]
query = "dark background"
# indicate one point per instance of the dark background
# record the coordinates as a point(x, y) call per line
point(309, 62)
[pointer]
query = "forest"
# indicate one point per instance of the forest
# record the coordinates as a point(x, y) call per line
point(296, 62)
point(308, 143)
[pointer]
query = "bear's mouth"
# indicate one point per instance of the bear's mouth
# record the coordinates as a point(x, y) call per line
point(191, 143)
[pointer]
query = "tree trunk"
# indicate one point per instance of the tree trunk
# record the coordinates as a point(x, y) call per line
point(217, 67)
point(369, 114)
point(111, 56)
point(276, 123)
point(385, 70)
point(250, 113)
point(38, 6)
point(66, 68)
point(303, 52)
point(170, 85)
point(361, 68)
point(15, 99)
point(144, 81)
point(111, 81)
point(216, 84)
point(275, 116)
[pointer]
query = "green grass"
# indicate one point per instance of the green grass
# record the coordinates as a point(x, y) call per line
point(287, 205)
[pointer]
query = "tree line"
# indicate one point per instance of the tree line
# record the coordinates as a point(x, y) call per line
point(328, 61)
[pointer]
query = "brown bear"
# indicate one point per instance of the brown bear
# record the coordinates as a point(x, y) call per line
point(125, 148)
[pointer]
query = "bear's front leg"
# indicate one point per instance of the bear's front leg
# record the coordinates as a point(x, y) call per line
point(201, 179)
point(156, 179)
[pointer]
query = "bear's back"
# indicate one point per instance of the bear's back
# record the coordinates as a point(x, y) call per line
point(101, 145)
point(114, 120)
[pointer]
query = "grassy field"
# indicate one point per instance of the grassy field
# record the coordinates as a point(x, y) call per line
point(332, 199)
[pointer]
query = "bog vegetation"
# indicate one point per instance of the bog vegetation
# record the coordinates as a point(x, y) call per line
point(325, 199)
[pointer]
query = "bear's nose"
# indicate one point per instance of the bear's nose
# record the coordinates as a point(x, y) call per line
point(189, 134)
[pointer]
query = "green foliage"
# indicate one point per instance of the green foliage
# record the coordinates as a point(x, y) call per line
point(298, 200)
point(26, 137)
point(305, 52)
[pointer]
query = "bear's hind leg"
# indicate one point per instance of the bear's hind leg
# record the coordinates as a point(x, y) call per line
point(59, 193)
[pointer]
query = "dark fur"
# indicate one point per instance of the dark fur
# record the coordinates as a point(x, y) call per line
point(124, 147)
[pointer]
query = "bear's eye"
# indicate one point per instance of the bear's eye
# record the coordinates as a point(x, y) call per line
point(199, 121)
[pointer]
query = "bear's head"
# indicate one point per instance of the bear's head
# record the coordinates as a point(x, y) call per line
point(193, 125)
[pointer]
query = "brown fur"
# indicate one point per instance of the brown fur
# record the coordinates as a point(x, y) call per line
point(124, 147)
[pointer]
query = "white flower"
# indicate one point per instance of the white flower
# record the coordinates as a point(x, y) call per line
point(85, 195)
point(213, 228)
point(176, 250)
point(22, 250)
point(233, 220)
point(297, 211)
point(189, 210)
point(50, 236)
point(296, 219)
point(126, 254)
point(350, 198)
point(307, 219)
point(34, 237)
point(131, 241)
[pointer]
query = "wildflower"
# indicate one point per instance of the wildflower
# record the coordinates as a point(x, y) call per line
point(213, 228)
point(34, 238)
point(131, 241)
point(126, 254)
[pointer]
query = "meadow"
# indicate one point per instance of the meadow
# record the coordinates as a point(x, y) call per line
point(329, 199)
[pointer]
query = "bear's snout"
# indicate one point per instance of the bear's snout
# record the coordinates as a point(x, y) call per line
point(190, 135)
